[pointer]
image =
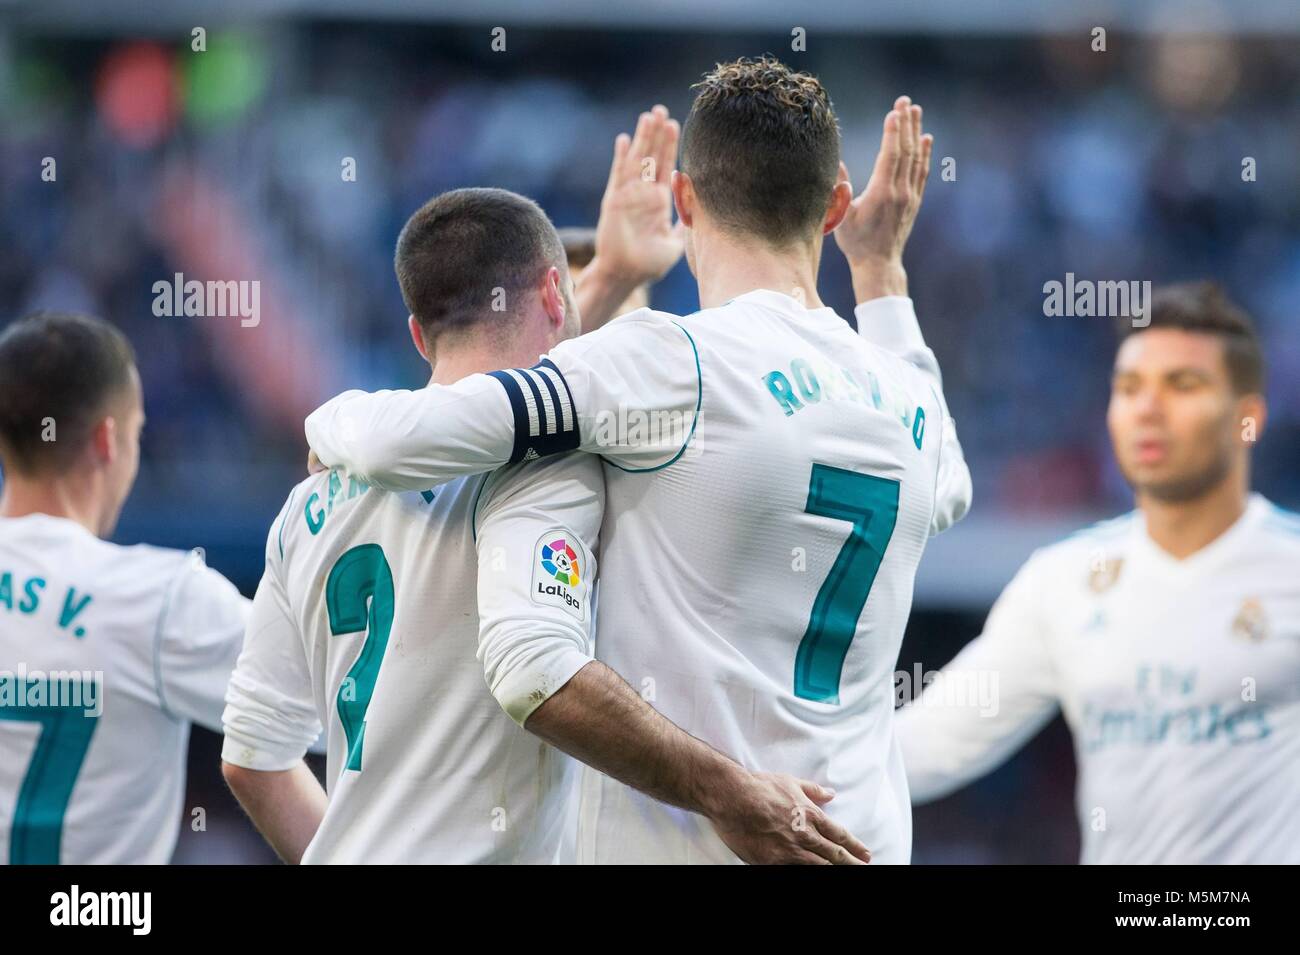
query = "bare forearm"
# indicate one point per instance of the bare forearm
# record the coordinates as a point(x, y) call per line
point(599, 719)
point(600, 292)
point(877, 278)
point(286, 806)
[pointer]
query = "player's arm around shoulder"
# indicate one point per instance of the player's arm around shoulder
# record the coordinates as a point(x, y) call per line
point(595, 393)
point(637, 385)
point(270, 719)
point(401, 440)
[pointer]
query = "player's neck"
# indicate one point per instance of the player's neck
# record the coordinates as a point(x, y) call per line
point(726, 267)
point(55, 496)
point(459, 362)
point(1184, 527)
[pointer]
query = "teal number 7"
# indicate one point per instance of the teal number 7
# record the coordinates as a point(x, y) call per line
point(870, 504)
point(359, 597)
point(37, 832)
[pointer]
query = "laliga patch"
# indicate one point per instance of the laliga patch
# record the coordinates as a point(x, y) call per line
point(560, 569)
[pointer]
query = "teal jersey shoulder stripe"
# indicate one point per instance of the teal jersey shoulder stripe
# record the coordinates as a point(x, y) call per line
point(288, 509)
point(473, 512)
point(1108, 529)
point(1279, 518)
point(157, 640)
point(699, 402)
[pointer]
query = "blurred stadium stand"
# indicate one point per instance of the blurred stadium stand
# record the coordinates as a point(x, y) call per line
point(1117, 165)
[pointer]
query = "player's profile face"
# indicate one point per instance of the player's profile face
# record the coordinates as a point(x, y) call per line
point(1172, 413)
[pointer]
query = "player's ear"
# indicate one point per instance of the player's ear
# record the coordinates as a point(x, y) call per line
point(553, 297)
point(103, 440)
point(841, 196)
point(683, 197)
point(417, 338)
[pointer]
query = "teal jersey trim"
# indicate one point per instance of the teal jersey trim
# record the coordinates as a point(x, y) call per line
point(699, 402)
point(473, 513)
point(288, 509)
point(1108, 529)
point(157, 642)
point(1288, 522)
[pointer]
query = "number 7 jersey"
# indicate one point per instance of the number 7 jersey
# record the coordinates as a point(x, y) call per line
point(756, 588)
point(772, 478)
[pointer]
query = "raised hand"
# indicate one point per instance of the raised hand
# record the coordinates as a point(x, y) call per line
point(635, 237)
point(879, 220)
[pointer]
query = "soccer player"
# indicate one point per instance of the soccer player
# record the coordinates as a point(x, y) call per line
point(109, 652)
point(1169, 638)
point(772, 477)
point(374, 607)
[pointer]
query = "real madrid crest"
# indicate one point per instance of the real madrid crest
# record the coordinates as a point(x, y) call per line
point(1251, 623)
point(1104, 574)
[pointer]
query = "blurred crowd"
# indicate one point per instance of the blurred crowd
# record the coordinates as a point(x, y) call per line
point(292, 155)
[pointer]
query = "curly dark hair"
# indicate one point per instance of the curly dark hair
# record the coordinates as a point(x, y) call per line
point(762, 148)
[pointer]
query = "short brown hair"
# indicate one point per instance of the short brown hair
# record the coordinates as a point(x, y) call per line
point(62, 368)
point(460, 247)
point(1203, 307)
point(579, 246)
point(762, 148)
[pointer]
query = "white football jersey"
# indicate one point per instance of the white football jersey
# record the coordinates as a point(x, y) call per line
point(421, 630)
point(772, 480)
point(1180, 681)
point(107, 654)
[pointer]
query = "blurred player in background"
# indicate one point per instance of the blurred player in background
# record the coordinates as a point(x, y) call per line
point(424, 765)
point(756, 583)
point(579, 251)
point(115, 650)
point(1169, 638)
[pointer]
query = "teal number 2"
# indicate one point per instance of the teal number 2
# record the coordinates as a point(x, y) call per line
point(37, 832)
point(870, 504)
point(359, 597)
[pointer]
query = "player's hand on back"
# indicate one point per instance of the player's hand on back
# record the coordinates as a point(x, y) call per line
point(635, 236)
point(777, 819)
point(879, 220)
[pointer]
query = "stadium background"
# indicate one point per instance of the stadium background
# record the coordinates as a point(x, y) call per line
point(226, 164)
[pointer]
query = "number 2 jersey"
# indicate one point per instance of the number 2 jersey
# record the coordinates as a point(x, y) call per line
point(421, 630)
point(772, 479)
